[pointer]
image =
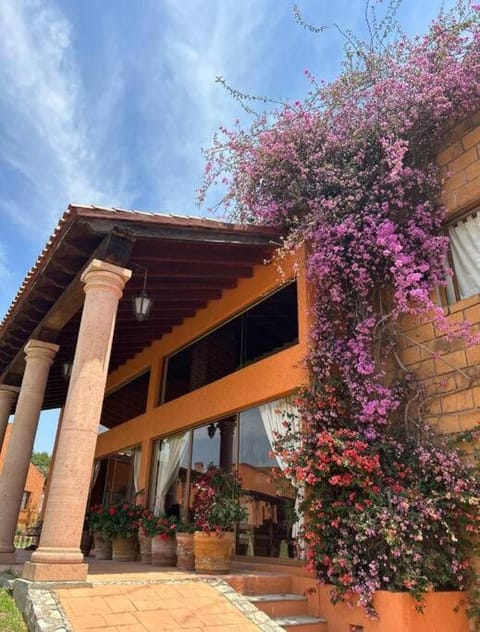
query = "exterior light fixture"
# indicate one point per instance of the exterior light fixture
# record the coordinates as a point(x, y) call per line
point(67, 369)
point(211, 430)
point(142, 304)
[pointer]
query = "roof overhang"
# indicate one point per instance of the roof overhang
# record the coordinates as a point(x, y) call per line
point(190, 261)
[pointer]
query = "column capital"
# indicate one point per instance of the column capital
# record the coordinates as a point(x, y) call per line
point(100, 273)
point(40, 349)
point(8, 393)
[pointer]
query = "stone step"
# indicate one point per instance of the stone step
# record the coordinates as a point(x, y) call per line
point(302, 623)
point(257, 583)
point(280, 604)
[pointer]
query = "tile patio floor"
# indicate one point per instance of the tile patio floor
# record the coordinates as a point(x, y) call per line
point(134, 597)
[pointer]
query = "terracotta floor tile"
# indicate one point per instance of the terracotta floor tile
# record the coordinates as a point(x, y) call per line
point(122, 618)
point(74, 592)
point(135, 627)
point(196, 589)
point(157, 620)
point(120, 603)
point(143, 605)
point(87, 622)
point(102, 591)
point(184, 618)
point(145, 593)
point(89, 605)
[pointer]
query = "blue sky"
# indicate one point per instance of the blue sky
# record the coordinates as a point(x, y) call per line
point(109, 101)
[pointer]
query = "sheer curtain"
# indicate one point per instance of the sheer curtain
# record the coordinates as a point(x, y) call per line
point(465, 246)
point(137, 457)
point(273, 414)
point(168, 453)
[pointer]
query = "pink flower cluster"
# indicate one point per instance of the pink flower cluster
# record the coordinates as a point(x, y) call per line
point(351, 173)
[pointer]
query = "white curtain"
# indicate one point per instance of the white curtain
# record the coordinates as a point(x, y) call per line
point(273, 414)
point(137, 457)
point(168, 453)
point(95, 471)
point(465, 246)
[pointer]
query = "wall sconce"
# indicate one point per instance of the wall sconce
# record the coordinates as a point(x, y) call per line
point(142, 304)
point(211, 430)
point(67, 369)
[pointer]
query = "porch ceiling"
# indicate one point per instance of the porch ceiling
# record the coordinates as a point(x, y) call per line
point(190, 261)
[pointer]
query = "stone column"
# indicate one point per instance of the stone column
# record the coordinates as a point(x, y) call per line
point(7, 397)
point(58, 556)
point(38, 357)
point(50, 469)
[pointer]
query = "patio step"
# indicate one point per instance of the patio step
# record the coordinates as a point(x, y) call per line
point(302, 623)
point(289, 611)
point(259, 583)
point(280, 604)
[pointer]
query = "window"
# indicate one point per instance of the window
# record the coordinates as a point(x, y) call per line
point(267, 327)
point(465, 257)
point(25, 500)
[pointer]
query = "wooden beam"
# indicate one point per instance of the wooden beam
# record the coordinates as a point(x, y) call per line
point(115, 248)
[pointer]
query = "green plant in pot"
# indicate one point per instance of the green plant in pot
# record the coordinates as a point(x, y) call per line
point(217, 508)
point(124, 521)
point(99, 523)
point(164, 543)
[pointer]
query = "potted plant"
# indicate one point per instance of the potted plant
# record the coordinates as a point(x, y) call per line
point(99, 524)
point(147, 529)
point(124, 520)
point(163, 542)
point(185, 555)
point(217, 508)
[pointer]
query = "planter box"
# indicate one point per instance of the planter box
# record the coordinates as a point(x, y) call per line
point(397, 613)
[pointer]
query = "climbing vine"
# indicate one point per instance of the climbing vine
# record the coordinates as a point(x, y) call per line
point(350, 172)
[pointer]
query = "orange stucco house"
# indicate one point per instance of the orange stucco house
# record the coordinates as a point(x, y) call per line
point(33, 493)
point(199, 380)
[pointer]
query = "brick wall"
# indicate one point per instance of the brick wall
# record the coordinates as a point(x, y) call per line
point(460, 162)
point(445, 367)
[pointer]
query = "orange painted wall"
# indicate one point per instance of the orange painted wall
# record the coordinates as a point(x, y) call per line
point(426, 350)
point(267, 379)
point(34, 485)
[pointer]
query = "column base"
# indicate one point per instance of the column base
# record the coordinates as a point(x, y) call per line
point(8, 558)
point(39, 572)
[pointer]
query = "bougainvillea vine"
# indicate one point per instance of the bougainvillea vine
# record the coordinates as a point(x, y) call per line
point(350, 172)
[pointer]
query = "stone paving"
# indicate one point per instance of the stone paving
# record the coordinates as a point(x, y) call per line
point(132, 597)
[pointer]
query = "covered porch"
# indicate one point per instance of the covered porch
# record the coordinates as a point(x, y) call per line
point(70, 341)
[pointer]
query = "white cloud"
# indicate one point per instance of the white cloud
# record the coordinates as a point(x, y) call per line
point(197, 42)
point(46, 145)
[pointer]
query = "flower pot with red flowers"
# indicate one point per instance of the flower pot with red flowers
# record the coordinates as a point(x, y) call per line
point(164, 545)
point(217, 509)
point(147, 529)
point(124, 526)
point(99, 524)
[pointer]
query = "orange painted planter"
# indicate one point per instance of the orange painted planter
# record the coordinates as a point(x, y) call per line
point(397, 613)
point(213, 553)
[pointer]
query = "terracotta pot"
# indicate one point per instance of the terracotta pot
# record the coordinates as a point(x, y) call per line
point(124, 549)
point(145, 542)
point(185, 557)
point(213, 553)
point(86, 543)
point(103, 547)
point(164, 551)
